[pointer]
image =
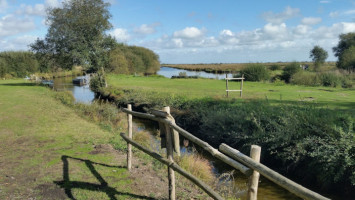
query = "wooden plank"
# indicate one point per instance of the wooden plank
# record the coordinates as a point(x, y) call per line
point(159, 113)
point(129, 146)
point(176, 167)
point(227, 85)
point(255, 152)
point(233, 90)
point(275, 177)
point(234, 78)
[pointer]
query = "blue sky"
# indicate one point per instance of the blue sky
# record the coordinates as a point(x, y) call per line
point(202, 31)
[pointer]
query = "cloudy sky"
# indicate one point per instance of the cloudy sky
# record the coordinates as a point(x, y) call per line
point(202, 31)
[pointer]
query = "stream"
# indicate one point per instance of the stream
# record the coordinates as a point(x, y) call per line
point(266, 191)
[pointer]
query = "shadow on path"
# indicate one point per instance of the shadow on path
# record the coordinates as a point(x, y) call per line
point(102, 187)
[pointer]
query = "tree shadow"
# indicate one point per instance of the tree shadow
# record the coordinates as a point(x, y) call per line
point(102, 187)
point(20, 84)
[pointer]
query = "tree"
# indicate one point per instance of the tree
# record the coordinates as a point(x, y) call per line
point(346, 42)
point(318, 55)
point(76, 35)
point(347, 59)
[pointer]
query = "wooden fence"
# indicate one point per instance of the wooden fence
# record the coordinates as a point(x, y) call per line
point(249, 166)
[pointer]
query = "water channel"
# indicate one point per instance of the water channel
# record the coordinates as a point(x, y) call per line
point(169, 72)
point(266, 191)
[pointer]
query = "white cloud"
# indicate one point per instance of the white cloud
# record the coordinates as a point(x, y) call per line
point(52, 3)
point(324, 2)
point(334, 14)
point(3, 6)
point(349, 12)
point(120, 34)
point(38, 9)
point(311, 20)
point(146, 29)
point(189, 33)
point(11, 25)
point(17, 43)
point(278, 18)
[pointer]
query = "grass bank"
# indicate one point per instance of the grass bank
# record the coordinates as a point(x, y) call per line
point(190, 89)
point(49, 152)
point(299, 128)
point(52, 148)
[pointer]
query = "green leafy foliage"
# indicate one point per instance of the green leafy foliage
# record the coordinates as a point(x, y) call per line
point(255, 72)
point(345, 51)
point(76, 35)
point(17, 64)
point(125, 59)
point(318, 55)
point(290, 70)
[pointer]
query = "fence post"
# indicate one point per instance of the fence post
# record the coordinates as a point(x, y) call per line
point(169, 152)
point(227, 84)
point(129, 146)
point(255, 152)
point(241, 86)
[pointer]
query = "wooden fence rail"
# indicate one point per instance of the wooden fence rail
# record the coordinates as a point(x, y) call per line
point(225, 153)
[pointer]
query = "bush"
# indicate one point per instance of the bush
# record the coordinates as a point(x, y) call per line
point(275, 67)
point(305, 78)
point(290, 70)
point(255, 72)
point(330, 79)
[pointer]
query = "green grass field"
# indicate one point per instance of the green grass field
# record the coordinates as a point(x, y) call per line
point(334, 98)
point(47, 151)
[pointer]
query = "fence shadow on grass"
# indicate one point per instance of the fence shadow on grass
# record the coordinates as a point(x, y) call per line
point(102, 187)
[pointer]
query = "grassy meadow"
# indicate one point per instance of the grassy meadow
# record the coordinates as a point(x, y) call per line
point(49, 152)
point(335, 98)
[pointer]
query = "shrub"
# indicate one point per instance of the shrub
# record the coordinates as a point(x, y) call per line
point(198, 166)
point(290, 70)
point(330, 79)
point(255, 72)
point(305, 78)
point(275, 67)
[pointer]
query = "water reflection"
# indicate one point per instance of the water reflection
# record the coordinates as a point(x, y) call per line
point(82, 94)
point(169, 72)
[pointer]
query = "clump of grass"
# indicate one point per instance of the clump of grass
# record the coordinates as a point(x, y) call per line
point(142, 138)
point(198, 166)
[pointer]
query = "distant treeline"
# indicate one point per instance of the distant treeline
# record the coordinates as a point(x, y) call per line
point(17, 64)
point(125, 59)
point(122, 59)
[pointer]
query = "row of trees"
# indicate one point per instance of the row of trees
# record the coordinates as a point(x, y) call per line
point(77, 36)
point(345, 51)
point(17, 64)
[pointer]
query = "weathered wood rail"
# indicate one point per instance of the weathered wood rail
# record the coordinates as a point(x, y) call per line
point(249, 166)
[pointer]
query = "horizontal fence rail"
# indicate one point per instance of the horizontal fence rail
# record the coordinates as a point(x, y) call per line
point(275, 177)
point(176, 167)
point(226, 154)
point(204, 145)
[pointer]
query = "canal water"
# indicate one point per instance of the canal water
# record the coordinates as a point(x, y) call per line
point(237, 182)
point(82, 94)
point(169, 72)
